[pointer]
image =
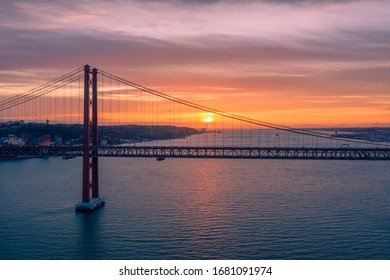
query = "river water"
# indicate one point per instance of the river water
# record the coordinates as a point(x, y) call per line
point(197, 209)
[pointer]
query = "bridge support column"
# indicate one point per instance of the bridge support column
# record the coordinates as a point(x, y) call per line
point(90, 151)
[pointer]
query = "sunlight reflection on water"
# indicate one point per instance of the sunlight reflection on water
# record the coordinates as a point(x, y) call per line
point(197, 209)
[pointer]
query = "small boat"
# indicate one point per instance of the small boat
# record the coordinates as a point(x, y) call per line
point(160, 158)
point(67, 157)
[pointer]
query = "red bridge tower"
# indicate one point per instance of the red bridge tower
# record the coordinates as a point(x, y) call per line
point(90, 150)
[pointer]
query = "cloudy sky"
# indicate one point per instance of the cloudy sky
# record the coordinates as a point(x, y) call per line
point(291, 62)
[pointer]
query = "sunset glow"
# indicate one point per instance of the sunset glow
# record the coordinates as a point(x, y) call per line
point(296, 63)
point(208, 118)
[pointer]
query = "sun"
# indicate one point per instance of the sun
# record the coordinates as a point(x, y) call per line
point(208, 118)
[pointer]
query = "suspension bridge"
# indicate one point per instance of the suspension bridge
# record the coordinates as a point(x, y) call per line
point(90, 113)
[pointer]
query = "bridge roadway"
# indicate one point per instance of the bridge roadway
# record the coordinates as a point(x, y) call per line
point(201, 152)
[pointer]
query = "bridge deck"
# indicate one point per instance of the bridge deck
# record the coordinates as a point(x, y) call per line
point(202, 152)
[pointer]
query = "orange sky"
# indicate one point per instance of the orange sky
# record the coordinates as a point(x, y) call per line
point(296, 63)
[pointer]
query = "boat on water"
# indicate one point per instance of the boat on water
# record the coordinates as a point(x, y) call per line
point(68, 157)
point(160, 158)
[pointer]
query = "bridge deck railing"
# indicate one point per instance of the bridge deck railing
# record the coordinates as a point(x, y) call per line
point(200, 152)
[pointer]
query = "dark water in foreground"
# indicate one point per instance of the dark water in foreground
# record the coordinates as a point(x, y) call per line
point(197, 209)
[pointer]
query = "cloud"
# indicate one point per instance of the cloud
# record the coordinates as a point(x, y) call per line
point(306, 48)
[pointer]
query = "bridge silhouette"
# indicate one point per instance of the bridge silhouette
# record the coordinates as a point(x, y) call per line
point(122, 119)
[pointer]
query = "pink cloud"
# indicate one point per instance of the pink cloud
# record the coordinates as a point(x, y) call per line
point(298, 49)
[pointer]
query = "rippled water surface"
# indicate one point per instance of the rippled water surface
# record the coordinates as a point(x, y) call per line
point(197, 209)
